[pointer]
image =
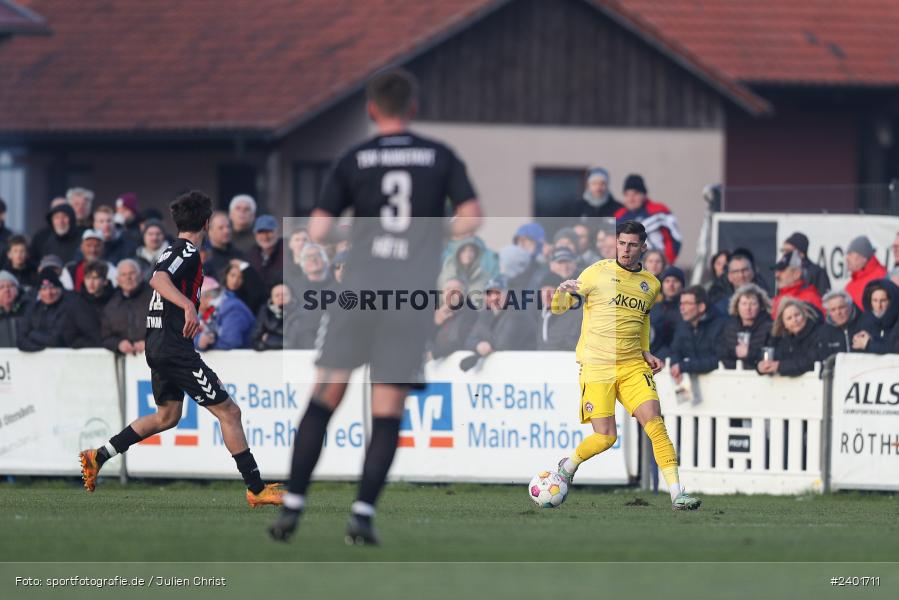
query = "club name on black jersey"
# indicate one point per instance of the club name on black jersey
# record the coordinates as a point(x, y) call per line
point(398, 187)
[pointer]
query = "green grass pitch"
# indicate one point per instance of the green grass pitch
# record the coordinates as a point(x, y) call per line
point(459, 535)
point(184, 521)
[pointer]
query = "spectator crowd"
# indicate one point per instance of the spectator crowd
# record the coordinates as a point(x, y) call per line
point(82, 281)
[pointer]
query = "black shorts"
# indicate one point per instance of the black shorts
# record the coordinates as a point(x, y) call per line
point(172, 377)
point(392, 343)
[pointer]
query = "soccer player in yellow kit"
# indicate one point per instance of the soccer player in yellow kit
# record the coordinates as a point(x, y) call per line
point(613, 352)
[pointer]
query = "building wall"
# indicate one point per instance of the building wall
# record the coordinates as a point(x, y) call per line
point(676, 164)
point(816, 148)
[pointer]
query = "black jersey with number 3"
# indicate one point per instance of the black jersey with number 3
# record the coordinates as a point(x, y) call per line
point(398, 187)
point(165, 321)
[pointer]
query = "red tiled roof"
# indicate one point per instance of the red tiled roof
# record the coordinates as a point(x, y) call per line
point(804, 42)
point(137, 65)
point(212, 65)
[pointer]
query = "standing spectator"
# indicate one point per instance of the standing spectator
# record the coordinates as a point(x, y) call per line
point(498, 327)
point(45, 318)
point(472, 262)
point(654, 262)
point(242, 280)
point(597, 201)
point(812, 273)
point(530, 237)
point(81, 200)
point(82, 327)
point(18, 263)
point(664, 316)
point(91, 251)
point(587, 255)
point(269, 331)
point(453, 320)
point(12, 310)
point(51, 261)
point(747, 330)
point(515, 266)
point(221, 249)
point(116, 245)
point(718, 285)
point(843, 320)
point(242, 212)
point(563, 264)
point(556, 332)
point(152, 246)
point(789, 272)
point(316, 277)
point(696, 338)
point(878, 324)
point(740, 271)
point(293, 270)
point(61, 238)
point(5, 233)
point(123, 324)
point(661, 226)
point(225, 321)
point(863, 267)
point(894, 274)
point(127, 217)
point(267, 256)
point(800, 340)
point(605, 243)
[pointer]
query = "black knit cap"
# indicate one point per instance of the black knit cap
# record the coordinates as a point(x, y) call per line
point(634, 182)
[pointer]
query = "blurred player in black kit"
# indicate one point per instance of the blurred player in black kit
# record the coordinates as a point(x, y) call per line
point(175, 366)
point(398, 185)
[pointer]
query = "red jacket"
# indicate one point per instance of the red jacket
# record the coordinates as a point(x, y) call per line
point(856, 286)
point(801, 291)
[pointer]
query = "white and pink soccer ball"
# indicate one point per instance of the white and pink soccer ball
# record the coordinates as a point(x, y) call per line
point(548, 490)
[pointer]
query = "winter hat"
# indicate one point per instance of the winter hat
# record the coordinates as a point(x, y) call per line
point(635, 182)
point(673, 271)
point(563, 253)
point(7, 276)
point(598, 172)
point(799, 241)
point(861, 245)
point(531, 230)
point(50, 260)
point(791, 259)
point(567, 233)
point(48, 275)
point(209, 285)
point(513, 260)
point(129, 201)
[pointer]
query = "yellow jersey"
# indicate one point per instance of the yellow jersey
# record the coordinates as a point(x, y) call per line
point(616, 304)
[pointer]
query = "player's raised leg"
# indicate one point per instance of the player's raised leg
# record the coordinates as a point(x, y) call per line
point(388, 403)
point(649, 415)
point(167, 415)
point(326, 397)
point(258, 493)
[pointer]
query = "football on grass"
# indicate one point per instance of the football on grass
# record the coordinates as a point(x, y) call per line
point(548, 490)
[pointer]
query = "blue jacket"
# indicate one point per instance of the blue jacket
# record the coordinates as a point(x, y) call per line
point(232, 322)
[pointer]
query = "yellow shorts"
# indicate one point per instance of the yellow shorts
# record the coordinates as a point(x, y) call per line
point(631, 383)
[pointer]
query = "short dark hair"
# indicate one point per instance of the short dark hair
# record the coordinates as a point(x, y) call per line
point(744, 253)
point(191, 210)
point(17, 240)
point(98, 268)
point(699, 294)
point(393, 92)
point(631, 227)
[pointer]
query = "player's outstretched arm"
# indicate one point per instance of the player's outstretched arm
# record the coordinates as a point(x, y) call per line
point(162, 283)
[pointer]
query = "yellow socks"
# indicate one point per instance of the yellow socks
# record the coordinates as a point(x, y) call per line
point(590, 446)
point(664, 453)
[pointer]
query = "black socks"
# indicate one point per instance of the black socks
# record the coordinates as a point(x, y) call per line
point(308, 446)
point(120, 442)
point(246, 464)
point(378, 458)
